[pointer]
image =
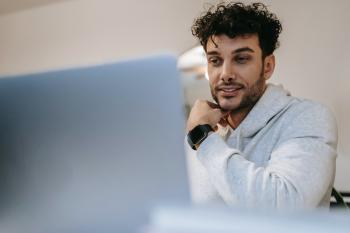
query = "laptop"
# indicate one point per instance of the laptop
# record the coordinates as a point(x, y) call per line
point(91, 149)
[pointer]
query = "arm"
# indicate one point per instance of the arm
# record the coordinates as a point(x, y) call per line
point(298, 174)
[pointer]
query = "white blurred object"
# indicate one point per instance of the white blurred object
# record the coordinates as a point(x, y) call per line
point(173, 219)
point(193, 60)
point(193, 66)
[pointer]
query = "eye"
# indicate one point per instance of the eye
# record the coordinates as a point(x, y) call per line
point(215, 61)
point(242, 59)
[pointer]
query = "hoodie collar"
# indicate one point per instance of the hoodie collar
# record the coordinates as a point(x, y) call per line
point(273, 101)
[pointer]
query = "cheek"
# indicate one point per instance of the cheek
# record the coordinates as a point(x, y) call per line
point(214, 75)
point(213, 80)
point(250, 76)
point(212, 86)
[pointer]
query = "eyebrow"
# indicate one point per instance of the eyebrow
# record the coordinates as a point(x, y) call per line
point(244, 49)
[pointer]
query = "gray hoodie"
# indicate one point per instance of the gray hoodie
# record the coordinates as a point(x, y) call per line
point(282, 155)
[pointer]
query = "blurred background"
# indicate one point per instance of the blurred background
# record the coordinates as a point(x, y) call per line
point(312, 61)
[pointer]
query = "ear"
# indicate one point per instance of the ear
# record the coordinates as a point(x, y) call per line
point(269, 66)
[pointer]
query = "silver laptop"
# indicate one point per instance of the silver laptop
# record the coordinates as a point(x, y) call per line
point(91, 149)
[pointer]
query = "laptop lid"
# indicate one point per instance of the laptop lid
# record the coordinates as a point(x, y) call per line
point(91, 148)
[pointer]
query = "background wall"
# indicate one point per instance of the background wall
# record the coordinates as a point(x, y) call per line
point(312, 61)
point(77, 32)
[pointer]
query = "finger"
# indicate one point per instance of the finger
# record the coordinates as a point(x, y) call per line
point(219, 112)
point(225, 112)
point(223, 122)
point(212, 105)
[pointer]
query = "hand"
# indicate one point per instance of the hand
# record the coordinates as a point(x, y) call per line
point(205, 112)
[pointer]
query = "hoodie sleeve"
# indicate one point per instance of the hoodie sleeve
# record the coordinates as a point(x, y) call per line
point(299, 173)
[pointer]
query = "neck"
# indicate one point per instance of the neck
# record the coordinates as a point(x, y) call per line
point(237, 116)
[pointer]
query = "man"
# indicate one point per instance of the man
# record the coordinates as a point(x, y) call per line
point(257, 146)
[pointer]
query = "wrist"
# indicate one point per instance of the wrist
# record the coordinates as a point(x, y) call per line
point(198, 134)
point(193, 125)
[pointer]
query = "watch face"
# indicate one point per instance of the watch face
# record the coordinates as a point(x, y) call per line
point(197, 135)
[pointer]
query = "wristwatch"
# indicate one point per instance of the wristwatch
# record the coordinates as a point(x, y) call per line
point(198, 134)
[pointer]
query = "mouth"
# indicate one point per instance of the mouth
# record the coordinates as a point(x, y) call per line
point(230, 91)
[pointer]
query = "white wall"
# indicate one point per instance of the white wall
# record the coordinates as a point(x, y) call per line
point(312, 61)
point(93, 31)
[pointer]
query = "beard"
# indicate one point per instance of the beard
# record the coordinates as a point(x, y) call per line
point(250, 96)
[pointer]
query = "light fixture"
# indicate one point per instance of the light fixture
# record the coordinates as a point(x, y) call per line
point(194, 62)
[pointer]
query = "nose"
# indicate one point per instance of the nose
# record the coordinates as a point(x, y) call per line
point(228, 72)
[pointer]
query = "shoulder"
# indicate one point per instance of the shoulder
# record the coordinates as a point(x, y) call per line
point(306, 118)
point(310, 112)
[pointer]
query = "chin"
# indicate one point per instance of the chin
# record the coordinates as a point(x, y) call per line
point(228, 105)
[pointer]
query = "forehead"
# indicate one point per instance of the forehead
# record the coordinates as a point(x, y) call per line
point(225, 43)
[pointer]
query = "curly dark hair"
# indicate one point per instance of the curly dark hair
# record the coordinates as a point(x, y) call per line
point(237, 19)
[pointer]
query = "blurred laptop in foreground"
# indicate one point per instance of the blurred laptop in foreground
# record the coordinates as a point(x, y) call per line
point(91, 149)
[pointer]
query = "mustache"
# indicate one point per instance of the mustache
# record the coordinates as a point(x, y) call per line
point(233, 84)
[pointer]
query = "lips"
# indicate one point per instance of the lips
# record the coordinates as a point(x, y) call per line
point(230, 91)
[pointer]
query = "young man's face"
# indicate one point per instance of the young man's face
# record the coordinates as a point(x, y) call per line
point(236, 71)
